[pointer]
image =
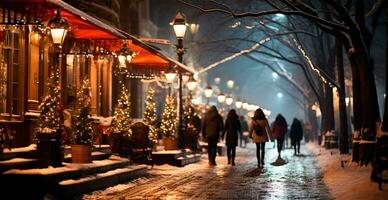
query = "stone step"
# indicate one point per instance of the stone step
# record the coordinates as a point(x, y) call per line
point(38, 182)
point(17, 163)
point(189, 159)
point(72, 187)
point(96, 155)
point(21, 152)
point(175, 158)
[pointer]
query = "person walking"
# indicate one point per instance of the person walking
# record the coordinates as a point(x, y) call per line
point(212, 126)
point(279, 129)
point(232, 129)
point(296, 135)
point(260, 132)
point(244, 129)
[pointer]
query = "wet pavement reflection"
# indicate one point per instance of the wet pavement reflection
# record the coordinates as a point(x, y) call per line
point(294, 177)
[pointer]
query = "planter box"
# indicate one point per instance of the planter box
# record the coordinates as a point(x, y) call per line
point(50, 149)
point(81, 153)
point(170, 144)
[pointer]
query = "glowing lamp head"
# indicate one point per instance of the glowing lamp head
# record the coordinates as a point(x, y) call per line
point(221, 98)
point(238, 104)
point(58, 28)
point(170, 76)
point(245, 105)
point(179, 24)
point(191, 83)
point(208, 91)
point(230, 84)
point(229, 100)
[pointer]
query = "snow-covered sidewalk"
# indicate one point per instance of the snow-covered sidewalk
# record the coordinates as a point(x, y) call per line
point(349, 182)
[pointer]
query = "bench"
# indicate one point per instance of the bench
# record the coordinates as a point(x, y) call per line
point(380, 161)
point(141, 146)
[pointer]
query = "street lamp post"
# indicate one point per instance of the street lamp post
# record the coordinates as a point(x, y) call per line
point(179, 24)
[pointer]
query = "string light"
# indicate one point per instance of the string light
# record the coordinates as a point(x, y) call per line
point(304, 54)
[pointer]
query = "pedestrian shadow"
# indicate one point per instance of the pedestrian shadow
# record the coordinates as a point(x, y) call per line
point(253, 173)
point(303, 155)
point(279, 162)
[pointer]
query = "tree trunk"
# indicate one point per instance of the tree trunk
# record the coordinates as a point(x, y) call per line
point(343, 134)
point(384, 126)
point(329, 109)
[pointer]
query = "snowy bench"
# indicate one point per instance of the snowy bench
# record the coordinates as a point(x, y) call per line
point(381, 161)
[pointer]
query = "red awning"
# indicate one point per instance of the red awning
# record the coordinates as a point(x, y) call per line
point(86, 27)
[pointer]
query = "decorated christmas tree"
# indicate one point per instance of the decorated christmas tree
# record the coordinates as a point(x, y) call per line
point(122, 114)
point(150, 115)
point(168, 127)
point(50, 118)
point(83, 124)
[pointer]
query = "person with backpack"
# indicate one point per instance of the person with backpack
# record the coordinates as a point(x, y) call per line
point(260, 133)
point(231, 129)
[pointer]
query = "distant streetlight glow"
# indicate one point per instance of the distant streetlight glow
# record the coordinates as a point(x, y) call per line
point(217, 80)
point(279, 95)
point(238, 104)
point(208, 91)
point(245, 105)
point(230, 84)
point(275, 75)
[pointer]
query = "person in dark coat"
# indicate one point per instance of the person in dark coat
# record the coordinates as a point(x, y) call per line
point(296, 135)
point(244, 128)
point(279, 129)
point(231, 130)
point(212, 126)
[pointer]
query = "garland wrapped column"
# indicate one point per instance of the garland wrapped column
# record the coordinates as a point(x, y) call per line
point(150, 116)
point(169, 123)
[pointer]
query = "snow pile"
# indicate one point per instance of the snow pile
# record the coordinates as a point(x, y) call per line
point(42, 171)
point(16, 160)
point(101, 194)
point(97, 176)
point(349, 182)
point(69, 167)
point(32, 147)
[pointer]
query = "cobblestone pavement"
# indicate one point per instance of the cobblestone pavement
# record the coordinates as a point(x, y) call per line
point(298, 178)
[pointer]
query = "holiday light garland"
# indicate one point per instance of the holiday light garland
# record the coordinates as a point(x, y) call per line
point(188, 111)
point(51, 109)
point(122, 114)
point(150, 116)
point(169, 124)
point(83, 124)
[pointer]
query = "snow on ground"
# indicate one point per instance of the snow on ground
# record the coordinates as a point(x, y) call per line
point(349, 182)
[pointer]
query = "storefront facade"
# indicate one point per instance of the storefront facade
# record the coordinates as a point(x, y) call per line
point(28, 55)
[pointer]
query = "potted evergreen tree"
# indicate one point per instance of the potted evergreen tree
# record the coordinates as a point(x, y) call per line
point(81, 149)
point(121, 123)
point(49, 131)
point(169, 124)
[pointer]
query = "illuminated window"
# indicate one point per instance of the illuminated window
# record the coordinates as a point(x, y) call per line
point(10, 72)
